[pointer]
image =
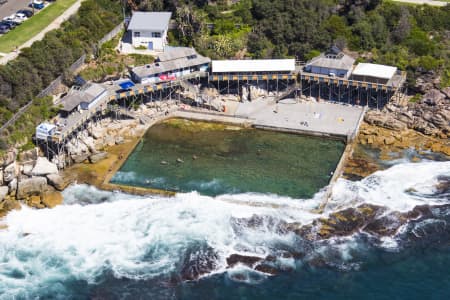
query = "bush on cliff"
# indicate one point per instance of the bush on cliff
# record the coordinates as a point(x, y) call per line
point(23, 78)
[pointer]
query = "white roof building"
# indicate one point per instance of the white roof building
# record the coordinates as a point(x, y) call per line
point(374, 70)
point(44, 130)
point(149, 29)
point(254, 65)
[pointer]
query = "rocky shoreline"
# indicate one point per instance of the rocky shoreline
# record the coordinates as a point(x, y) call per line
point(423, 126)
point(99, 151)
point(30, 178)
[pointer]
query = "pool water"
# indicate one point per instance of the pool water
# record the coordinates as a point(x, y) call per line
point(181, 155)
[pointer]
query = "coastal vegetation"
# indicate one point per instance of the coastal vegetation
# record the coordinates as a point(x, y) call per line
point(33, 26)
point(110, 63)
point(413, 38)
point(23, 78)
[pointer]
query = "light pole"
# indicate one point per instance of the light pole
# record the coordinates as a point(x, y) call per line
point(123, 4)
point(32, 6)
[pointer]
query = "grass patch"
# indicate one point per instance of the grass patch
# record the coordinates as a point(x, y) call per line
point(33, 26)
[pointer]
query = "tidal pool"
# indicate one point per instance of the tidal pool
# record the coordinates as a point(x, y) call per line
point(212, 159)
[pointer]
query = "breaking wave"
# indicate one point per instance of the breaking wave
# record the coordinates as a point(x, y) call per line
point(97, 233)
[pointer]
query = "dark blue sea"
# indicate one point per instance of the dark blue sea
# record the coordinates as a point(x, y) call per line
point(213, 241)
point(107, 245)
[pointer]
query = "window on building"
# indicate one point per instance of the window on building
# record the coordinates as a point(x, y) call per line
point(137, 34)
point(156, 34)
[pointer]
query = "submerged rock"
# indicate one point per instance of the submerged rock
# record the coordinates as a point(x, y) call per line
point(265, 223)
point(249, 261)
point(387, 225)
point(198, 263)
point(268, 269)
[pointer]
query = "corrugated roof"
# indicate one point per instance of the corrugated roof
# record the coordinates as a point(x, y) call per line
point(340, 61)
point(70, 102)
point(45, 126)
point(192, 59)
point(157, 21)
point(171, 53)
point(92, 91)
point(254, 65)
point(89, 92)
point(374, 70)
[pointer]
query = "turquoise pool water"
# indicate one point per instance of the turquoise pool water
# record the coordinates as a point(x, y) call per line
point(213, 159)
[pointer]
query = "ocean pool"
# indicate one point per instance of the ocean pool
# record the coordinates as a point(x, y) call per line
point(213, 159)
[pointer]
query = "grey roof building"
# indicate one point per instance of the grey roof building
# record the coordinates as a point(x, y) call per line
point(175, 60)
point(82, 97)
point(332, 63)
point(152, 21)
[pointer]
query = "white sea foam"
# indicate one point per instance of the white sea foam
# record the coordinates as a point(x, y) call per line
point(392, 188)
point(144, 237)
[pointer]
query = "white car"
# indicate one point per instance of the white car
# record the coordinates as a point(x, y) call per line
point(20, 17)
point(10, 18)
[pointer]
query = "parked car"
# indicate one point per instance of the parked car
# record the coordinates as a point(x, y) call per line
point(9, 18)
point(37, 4)
point(4, 29)
point(26, 12)
point(20, 17)
point(10, 24)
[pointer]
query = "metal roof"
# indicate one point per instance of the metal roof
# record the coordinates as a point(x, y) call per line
point(192, 59)
point(374, 70)
point(75, 97)
point(157, 21)
point(254, 65)
point(338, 61)
point(171, 53)
point(45, 127)
point(70, 102)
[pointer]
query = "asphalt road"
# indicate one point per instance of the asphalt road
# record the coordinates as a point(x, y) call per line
point(5, 57)
point(12, 6)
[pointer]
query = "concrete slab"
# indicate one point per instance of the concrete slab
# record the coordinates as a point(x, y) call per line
point(319, 117)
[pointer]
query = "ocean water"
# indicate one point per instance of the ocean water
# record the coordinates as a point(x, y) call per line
point(105, 245)
point(213, 159)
